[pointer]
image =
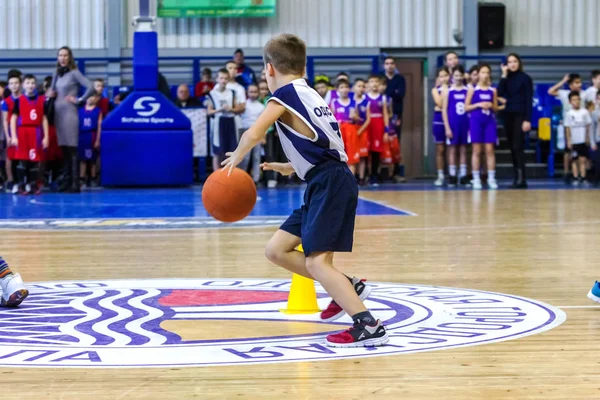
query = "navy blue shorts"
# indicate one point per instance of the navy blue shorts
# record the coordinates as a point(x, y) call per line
point(227, 136)
point(86, 146)
point(325, 222)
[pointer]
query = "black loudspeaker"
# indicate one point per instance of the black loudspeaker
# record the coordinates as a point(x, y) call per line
point(492, 17)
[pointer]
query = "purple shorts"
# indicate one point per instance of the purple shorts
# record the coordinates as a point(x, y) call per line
point(483, 131)
point(460, 133)
point(439, 132)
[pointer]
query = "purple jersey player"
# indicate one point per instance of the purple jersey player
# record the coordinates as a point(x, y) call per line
point(482, 102)
point(439, 134)
point(456, 123)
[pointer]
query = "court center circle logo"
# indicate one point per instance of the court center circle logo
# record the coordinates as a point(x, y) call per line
point(209, 322)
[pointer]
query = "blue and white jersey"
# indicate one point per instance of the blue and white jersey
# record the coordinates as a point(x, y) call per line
point(305, 153)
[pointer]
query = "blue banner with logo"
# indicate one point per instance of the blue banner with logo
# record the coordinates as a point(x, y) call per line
point(144, 111)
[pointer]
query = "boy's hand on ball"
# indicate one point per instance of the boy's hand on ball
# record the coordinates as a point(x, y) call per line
point(284, 169)
point(232, 161)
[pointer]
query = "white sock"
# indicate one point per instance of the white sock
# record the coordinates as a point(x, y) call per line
point(452, 170)
point(476, 176)
point(463, 170)
point(492, 175)
point(440, 173)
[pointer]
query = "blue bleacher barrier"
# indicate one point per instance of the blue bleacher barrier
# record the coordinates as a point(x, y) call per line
point(146, 140)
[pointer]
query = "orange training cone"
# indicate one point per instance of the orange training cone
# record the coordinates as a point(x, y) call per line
point(303, 296)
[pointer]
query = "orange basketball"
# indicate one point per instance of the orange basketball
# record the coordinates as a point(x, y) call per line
point(229, 198)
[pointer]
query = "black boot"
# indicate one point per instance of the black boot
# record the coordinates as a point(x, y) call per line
point(521, 183)
point(75, 186)
point(64, 182)
point(516, 175)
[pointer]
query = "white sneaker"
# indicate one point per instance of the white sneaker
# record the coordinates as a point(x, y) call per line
point(13, 291)
point(15, 189)
point(439, 181)
point(477, 184)
point(272, 184)
point(492, 184)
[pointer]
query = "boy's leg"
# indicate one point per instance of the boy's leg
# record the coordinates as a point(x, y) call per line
point(451, 152)
point(281, 251)
point(574, 169)
point(9, 170)
point(34, 171)
point(337, 285)
point(583, 167)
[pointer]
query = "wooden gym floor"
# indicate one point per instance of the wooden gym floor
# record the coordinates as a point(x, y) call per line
point(540, 244)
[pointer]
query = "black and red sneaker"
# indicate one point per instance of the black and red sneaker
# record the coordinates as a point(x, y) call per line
point(360, 335)
point(334, 311)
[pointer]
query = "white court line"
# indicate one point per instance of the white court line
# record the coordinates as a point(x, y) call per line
point(576, 307)
point(380, 203)
point(233, 230)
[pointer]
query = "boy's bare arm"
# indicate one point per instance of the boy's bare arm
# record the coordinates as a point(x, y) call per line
point(254, 135)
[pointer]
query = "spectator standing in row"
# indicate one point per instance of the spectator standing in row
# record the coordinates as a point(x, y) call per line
point(3, 85)
point(517, 88)
point(254, 107)
point(574, 83)
point(578, 134)
point(244, 74)
point(10, 96)
point(395, 92)
point(205, 85)
point(223, 106)
point(273, 150)
point(240, 95)
point(65, 86)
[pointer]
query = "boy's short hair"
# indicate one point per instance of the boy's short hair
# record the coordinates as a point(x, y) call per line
point(474, 68)
point(389, 58)
point(15, 77)
point(286, 53)
point(14, 73)
point(341, 82)
point(263, 81)
point(230, 62)
point(595, 73)
point(3, 84)
point(252, 84)
point(99, 80)
point(342, 73)
point(573, 94)
point(223, 71)
point(375, 76)
point(573, 78)
point(207, 71)
point(28, 77)
point(321, 81)
point(359, 80)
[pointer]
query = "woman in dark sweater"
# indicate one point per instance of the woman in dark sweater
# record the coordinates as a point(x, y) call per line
point(517, 88)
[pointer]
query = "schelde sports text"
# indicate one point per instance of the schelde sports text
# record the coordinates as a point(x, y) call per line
point(146, 120)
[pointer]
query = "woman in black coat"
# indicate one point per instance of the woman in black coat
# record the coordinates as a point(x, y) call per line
point(517, 88)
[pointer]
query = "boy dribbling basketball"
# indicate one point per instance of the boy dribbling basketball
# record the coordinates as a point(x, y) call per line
point(312, 141)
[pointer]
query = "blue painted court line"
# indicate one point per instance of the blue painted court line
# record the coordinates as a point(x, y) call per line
point(155, 203)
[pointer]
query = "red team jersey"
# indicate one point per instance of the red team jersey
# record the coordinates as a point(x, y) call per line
point(344, 115)
point(377, 125)
point(103, 106)
point(29, 128)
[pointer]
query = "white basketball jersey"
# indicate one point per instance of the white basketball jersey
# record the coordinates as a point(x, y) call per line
point(304, 153)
